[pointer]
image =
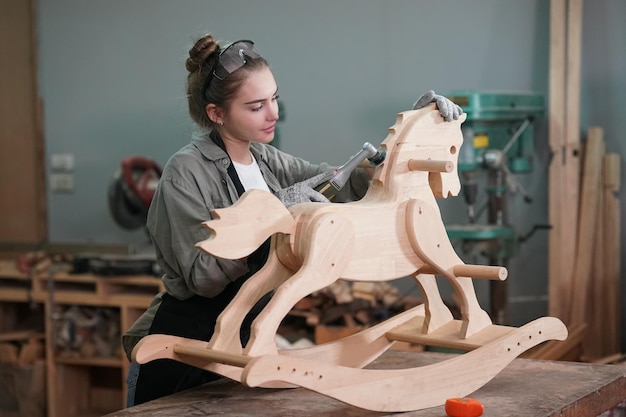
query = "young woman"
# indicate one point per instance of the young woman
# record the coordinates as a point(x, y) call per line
point(232, 97)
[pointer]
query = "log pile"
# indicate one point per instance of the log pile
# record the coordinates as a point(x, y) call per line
point(22, 374)
point(345, 308)
point(21, 347)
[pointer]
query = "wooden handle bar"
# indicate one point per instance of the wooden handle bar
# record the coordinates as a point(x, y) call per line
point(213, 355)
point(496, 273)
point(430, 165)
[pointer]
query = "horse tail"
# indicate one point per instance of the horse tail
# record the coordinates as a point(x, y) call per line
point(238, 230)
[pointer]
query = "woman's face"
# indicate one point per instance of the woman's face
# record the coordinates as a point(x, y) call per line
point(253, 112)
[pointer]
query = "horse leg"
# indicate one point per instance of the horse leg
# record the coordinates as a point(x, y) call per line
point(437, 313)
point(226, 336)
point(327, 244)
point(430, 242)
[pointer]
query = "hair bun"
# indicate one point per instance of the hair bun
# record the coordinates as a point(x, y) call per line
point(200, 52)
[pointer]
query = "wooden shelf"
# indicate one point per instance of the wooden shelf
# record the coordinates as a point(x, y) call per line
point(76, 386)
point(86, 289)
point(16, 295)
point(20, 335)
point(8, 269)
point(103, 362)
point(14, 285)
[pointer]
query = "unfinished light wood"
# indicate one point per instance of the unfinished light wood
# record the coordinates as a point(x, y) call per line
point(497, 273)
point(612, 254)
point(564, 138)
point(593, 344)
point(357, 350)
point(557, 241)
point(405, 389)
point(430, 166)
point(238, 226)
point(590, 196)
point(395, 231)
point(446, 336)
point(558, 349)
point(570, 184)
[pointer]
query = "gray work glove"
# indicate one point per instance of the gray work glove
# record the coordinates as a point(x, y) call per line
point(447, 109)
point(303, 192)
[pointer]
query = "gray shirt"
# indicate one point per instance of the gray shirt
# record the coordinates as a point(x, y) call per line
point(194, 181)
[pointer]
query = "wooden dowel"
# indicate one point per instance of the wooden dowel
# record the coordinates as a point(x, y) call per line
point(496, 273)
point(213, 355)
point(430, 165)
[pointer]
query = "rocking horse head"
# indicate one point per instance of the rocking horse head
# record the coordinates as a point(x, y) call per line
point(422, 151)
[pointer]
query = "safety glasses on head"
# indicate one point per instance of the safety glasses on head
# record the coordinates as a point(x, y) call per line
point(230, 59)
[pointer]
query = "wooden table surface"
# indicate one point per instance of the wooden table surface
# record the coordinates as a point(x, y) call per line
point(525, 388)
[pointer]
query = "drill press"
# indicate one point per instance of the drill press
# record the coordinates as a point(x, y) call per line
point(497, 144)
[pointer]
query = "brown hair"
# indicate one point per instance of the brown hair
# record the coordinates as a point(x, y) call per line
point(202, 57)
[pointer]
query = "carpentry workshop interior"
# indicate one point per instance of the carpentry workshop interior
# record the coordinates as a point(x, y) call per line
point(465, 258)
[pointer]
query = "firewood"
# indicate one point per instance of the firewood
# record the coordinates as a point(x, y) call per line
point(31, 351)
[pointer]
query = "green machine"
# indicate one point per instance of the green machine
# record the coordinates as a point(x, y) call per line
point(498, 143)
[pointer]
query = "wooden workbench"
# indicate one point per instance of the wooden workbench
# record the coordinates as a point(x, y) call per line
point(526, 388)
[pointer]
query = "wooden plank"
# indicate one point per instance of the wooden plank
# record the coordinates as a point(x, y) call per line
point(556, 134)
point(612, 173)
point(20, 336)
point(595, 338)
point(590, 194)
point(571, 179)
point(612, 254)
point(213, 355)
point(22, 176)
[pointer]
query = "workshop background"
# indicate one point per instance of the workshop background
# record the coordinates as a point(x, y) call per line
point(112, 84)
point(111, 81)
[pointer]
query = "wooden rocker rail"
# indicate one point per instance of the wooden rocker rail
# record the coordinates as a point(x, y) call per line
point(401, 390)
point(405, 389)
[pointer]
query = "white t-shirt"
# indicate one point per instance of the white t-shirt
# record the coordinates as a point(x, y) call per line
point(250, 176)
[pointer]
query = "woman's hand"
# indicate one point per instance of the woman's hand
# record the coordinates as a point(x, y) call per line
point(447, 109)
point(304, 192)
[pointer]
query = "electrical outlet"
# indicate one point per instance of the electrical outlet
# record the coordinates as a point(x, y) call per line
point(62, 183)
point(63, 162)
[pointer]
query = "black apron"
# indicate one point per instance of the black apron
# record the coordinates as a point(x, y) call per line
point(195, 318)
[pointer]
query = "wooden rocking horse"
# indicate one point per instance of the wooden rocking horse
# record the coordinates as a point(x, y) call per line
point(395, 231)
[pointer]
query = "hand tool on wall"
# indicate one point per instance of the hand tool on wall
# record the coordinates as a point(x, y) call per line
point(131, 190)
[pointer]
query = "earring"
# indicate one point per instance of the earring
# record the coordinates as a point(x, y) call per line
point(221, 123)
